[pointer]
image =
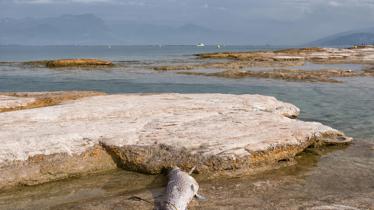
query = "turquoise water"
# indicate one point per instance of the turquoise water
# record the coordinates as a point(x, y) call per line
point(336, 176)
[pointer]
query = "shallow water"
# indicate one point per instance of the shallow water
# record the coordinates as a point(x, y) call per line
point(308, 66)
point(346, 106)
point(333, 176)
point(115, 53)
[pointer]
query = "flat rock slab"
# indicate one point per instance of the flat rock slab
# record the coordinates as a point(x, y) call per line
point(217, 133)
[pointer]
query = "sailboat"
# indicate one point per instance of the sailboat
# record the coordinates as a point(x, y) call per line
point(200, 45)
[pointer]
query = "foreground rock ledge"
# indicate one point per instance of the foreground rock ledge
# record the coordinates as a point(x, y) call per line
point(217, 133)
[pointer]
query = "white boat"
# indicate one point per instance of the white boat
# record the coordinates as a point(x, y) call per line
point(200, 45)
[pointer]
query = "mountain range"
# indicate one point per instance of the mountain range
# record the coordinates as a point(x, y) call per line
point(354, 37)
point(88, 29)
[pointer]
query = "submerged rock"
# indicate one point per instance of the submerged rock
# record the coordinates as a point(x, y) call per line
point(289, 74)
point(172, 68)
point(219, 134)
point(275, 64)
point(79, 62)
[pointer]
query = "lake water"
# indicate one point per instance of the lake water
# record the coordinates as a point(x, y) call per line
point(336, 176)
point(115, 53)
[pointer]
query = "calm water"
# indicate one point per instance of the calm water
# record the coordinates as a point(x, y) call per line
point(116, 53)
point(338, 176)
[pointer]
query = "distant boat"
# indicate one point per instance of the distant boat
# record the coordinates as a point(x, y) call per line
point(200, 45)
point(218, 46)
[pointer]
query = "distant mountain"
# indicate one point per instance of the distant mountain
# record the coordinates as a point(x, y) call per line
point(87, 29)
point(357, 37)
point(131, 33)
point(66, 29)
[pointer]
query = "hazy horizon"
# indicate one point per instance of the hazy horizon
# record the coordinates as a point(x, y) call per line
point(248, 22)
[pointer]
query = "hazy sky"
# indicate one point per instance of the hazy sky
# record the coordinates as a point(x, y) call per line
point(269, 21)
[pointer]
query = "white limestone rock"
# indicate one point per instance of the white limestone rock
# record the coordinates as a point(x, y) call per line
point(217, 133)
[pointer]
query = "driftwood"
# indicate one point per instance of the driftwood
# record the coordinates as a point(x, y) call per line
point(180, 190)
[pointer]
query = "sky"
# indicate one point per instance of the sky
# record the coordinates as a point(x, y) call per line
point(265, 21)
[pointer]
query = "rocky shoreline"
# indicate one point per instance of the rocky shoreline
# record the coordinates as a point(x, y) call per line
point(220, 135)
point(236, 65)
point(288, 75)
point(285, 64)
point(362, 54)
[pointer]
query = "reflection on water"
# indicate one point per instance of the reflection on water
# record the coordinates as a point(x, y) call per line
point(326, 176)
point(342, 176)
point(75, 190)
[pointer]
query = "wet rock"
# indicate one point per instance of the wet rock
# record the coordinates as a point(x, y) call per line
point(238, 64)
point(70, 63)
point(334, 207)
point(51, 164)
point(77, 62)
point(318, 55)
point(297, 51)
point(289, 74)
point(369, 70)
point(279, 61)
point(172, 68)
point(219, 134)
